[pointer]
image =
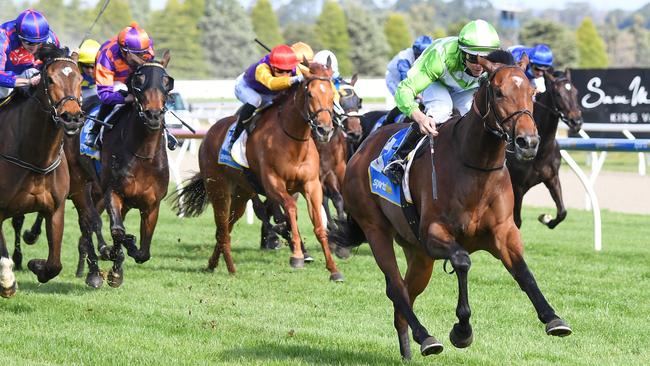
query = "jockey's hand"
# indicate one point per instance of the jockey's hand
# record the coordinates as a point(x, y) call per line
point(129, 98)
point(34, 80)
point(296, 79)
point(426, 123)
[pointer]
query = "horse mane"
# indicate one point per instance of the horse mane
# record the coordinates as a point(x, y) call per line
point(315, 69)
point(501, 56)
point(49, 51)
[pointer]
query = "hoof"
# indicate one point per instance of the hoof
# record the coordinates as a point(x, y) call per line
point(94, 280)
point(460, 340)
point(558, 327)
point(297, 262)
point(39, 268)
point(115, 278)
point(29, 237)
point(9, 292)
point(336, 277)
point(430, 346)
point(105, 253)
point(545, 218)
point(308, 257)
point(271, 244)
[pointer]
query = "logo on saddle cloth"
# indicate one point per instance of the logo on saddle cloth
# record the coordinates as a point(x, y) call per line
point(379, 183)
point(226, 157)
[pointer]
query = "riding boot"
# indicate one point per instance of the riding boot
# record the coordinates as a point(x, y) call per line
point(172, 142)
point(394, 168)
point(245, 113)
point(392, 116)
point(91, 138)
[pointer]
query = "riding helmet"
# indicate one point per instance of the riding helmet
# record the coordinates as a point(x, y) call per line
point(32, 26)
point(321, 58)
point(134, 39)
point(541, 55)
point(303, 49)
point(421, 43)
point(88, 52)
point(478, 37)
point(283, 57)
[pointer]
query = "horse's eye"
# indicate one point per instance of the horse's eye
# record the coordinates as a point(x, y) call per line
point(498, 93)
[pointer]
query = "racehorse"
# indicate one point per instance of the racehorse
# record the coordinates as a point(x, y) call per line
point(473, 209)
point(135, 172)
point(282, 156)
point(333, 157)
point(33, 168)
point(559, 101)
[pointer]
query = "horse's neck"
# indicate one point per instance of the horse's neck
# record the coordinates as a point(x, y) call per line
point(291, 118)
point(38, 139)
point(545, 119)
point(477, 146)
point(137, 139)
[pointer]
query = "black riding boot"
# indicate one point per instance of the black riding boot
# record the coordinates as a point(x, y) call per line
point(390, 118)
point(394, 168)
point(245, 113)
point(91, 138)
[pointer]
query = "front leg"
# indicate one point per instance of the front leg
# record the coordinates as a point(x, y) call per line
point(555, 189)
point(511, 255)
point(461, 334)
point(148, 222)
point(17, 225)
point(114, 208)
point(7, 278)
point(45, 270)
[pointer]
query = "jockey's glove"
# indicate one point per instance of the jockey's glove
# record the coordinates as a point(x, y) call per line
point(296, 79)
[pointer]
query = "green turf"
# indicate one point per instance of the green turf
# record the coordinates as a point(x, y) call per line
point(171, 312)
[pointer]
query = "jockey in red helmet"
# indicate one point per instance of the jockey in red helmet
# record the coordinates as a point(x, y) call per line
point(263, 80)
point(19, 41)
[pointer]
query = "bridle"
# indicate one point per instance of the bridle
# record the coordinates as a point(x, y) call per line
point(554, 108)
point(53, 107)
point(306, 113)
point(138, 92)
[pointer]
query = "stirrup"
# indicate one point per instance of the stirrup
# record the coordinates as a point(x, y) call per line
point(394, 170)
point(91, 141)
point(172, 142)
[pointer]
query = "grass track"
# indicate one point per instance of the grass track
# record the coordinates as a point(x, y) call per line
point(170, 312)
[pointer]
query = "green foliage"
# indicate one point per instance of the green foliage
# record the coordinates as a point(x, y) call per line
point(265, 25)
point(188, 56)
point(453, 29)
point(397, 33)
point(116, 17)
point(561, 40)
point(227, 36)
point(641, 39)
point(169, 311)
point(591, 47)
point(302, 32)
point(141, 10)
point(422, 17)
point(369, 48)
point(332, 32)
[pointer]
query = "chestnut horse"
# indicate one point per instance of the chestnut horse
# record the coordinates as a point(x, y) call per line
point(560, 101)
point(135, 171)
point(282, 156)
point(33, 168)
point(473, 209)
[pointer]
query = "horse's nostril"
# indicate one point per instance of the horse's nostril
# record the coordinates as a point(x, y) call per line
point(527, 142)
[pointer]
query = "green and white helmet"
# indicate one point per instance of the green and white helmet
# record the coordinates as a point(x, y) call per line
point(478, 37)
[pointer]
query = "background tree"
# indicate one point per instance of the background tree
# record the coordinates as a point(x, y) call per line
point(422, 17)
point(228, 38)
point(369, 48)
point(188, 56)
point(591, 47)
point(116, 17)
point(641, 37)
point(561, 40)
point(299, 11)
point(301, 32)
point(141, 10)
point(332, 32)
point(397, 33)
point(265, 25)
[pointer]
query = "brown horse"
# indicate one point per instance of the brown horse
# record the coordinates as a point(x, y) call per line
point(560, 101)
point(134, 172)
point(473, 209)
point(283, 158)
point(33, 168)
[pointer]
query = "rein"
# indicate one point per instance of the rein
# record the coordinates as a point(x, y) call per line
point(309, 115)
point(554, 109)
point(33, 168)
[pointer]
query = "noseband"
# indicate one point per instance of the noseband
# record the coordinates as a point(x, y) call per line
point(139, 92)
point(53, 107)
point(498, 130)
point(306, 113)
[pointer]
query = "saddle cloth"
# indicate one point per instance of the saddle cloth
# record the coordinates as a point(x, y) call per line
point(83, 148)
point(236, 158)
point(379, 183)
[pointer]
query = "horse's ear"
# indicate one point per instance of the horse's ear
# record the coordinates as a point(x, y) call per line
point(523, 63)
point(355, 77)
point(165, 58)
point(75, 56)
point(567, 73)
point(305, 62)
point(329, 62)
point(549, 76)
point(487, 65)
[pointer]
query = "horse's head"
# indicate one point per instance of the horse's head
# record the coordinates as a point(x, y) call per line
point(351, 104)
point(564, 97)
point(318, 95)
point(508, 100)
point(150, 85)
point(61, 87)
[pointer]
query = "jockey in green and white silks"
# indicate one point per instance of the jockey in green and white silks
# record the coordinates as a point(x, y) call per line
point(447, 76)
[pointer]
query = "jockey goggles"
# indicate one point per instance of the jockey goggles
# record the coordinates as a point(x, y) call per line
point(29, 43)
point(472, 59)
point(540, 67)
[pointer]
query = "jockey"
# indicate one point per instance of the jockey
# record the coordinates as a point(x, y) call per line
point(87, 54)
point(20, 39)
point(262, 81)
point(447, 74)
point(112, 69)
point(540, 59)
point(402, 62)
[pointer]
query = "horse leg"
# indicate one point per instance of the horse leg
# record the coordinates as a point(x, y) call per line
point(337, 198)
point(148, 222)
point(221, 210)
point(17, 224)
point(7, 277)
point(115, 207)
point(518, 200)
point(30, 236)
point(461, 334)
point(268, 238)
point(314, 198)
point(381, 243)
point(45, 270)
point(555, 189)
point(511, 255)
point(277, 191)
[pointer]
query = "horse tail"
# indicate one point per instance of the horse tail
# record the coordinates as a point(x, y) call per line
point(348, 234)
point(192, 199)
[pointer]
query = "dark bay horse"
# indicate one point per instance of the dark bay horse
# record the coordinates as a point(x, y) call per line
point(135, 172)
point(281, 154)
point(473, 209)
point(560, 101)
point(33, 168)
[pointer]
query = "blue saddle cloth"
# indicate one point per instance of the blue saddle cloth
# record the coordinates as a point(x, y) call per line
point(225, 158)
point(379, 183)
point(83, 148)
point(383, 122)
